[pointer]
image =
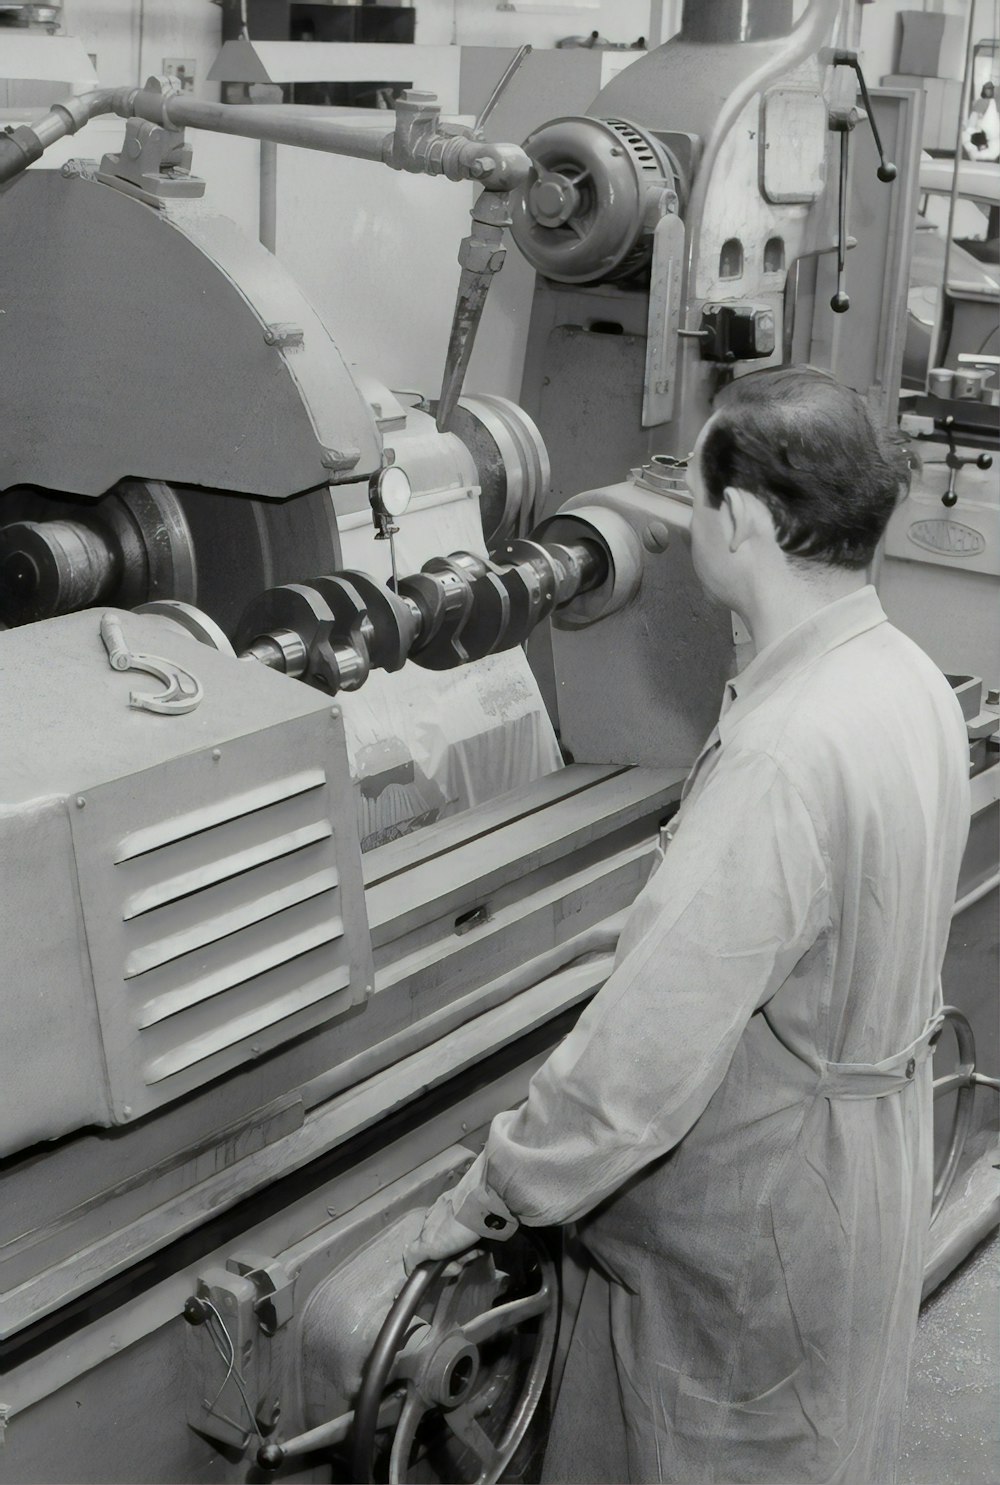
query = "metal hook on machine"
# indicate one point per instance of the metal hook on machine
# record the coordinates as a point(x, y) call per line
point(183, 690)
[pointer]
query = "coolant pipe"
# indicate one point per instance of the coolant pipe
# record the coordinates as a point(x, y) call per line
point(22, 147)
point(283, 124)
point(412, 140)
point(602, 938)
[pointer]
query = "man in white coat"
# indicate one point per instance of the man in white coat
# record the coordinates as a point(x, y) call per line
point(740, 1122)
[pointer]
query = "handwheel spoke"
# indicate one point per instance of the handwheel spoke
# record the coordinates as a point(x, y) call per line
point(505, 1317)
point(412, 1412)
point(951, 1082)
point(469, 1431)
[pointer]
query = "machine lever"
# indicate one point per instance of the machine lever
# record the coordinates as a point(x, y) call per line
point(886, 170)
point(842, 121)
point(840, 303)
point(956, 461)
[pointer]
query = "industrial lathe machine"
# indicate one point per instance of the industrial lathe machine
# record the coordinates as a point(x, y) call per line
point(305, 866)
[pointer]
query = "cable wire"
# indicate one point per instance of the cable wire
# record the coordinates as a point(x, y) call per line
point(232, 1370)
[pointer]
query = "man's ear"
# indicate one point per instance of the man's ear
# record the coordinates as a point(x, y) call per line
point(742, 511)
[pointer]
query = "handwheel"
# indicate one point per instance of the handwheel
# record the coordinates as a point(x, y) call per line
point(438, 1362)
point(963, 1082)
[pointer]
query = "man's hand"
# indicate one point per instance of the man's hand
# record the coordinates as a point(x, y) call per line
point(442, 1236)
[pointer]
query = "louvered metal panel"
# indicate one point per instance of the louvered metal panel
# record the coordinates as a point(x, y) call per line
point(214, 908)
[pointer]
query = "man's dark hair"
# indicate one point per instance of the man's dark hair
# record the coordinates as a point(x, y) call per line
point(806, 446)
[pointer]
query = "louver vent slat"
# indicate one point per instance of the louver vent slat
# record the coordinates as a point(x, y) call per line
point(257, 1017)
point(235, 806)
point(219, 878)
point(186, 883)
point(231, 923)
point(274, 942)
point(221, 911)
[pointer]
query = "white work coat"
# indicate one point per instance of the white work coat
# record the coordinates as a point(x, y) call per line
point(740, 1121)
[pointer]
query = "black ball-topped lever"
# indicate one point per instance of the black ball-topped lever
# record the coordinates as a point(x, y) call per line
point(954, 461)
point(842, 121)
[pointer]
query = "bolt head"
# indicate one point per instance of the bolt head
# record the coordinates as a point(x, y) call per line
point(656, 537)
point(216, 754)
point(81, 803)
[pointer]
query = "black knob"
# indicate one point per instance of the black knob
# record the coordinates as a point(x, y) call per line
point(270, 1457)
point(195, 1310)
point(949, 498)
point(985, 461)
point(840, 303)
point(886, 172)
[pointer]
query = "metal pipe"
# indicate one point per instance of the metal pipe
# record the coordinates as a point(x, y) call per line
point(23, 146)
point(258, 121)
point(977, 894)
point(414, 141)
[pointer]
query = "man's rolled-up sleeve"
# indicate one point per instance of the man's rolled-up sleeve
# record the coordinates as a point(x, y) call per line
point(742, 894)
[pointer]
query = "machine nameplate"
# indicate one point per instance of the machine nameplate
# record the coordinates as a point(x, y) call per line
point(949, 538)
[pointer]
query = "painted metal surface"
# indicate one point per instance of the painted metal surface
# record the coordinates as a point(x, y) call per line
point(104, 294)
point(97, 1206)
point(657, 710)
point(217, 908)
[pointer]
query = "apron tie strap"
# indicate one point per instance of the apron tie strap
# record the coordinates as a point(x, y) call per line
point(880, 1079)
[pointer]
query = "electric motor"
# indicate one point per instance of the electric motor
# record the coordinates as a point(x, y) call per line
point(598, 188)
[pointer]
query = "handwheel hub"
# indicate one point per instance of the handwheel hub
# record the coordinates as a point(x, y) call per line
point(554, 199)
point(472, 1372)
point(449, 1374)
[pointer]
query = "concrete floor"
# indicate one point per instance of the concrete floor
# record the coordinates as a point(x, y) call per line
point(951, 1434)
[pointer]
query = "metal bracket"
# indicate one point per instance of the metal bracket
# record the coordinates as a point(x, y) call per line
point(664, 319)
point(275, 1304)
point(230, 1366)
point(284, 336)
point(153, 159)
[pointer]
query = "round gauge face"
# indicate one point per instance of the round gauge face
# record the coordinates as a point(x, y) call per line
point(393, 490)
